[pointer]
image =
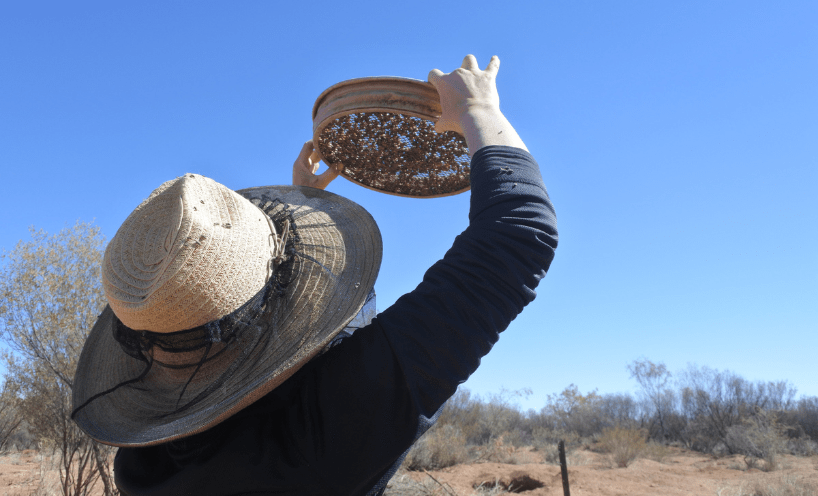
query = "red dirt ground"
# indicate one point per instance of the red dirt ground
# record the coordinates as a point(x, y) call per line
point(681, 473)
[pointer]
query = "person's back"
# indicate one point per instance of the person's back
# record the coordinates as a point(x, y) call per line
point(342, 423)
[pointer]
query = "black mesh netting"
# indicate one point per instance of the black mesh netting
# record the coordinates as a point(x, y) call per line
point(397, 154)
point(212, 339)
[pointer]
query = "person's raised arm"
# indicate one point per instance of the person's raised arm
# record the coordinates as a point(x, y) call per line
point(380, 389)
point(471, 105)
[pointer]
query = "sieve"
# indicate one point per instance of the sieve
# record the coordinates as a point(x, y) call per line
point(379, 132)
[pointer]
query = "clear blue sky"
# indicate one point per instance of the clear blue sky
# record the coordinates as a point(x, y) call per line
point(677, 141)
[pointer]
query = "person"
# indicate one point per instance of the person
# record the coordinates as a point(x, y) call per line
point(213, 395)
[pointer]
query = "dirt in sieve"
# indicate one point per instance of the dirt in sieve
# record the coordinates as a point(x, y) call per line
point(397, 154)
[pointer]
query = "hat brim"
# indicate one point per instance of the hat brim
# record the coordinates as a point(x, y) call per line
point(338, 249)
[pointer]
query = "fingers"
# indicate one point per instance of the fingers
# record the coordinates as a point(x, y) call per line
point(470, 63)
point(304, 157)
point(314, 161)
point(494, 65)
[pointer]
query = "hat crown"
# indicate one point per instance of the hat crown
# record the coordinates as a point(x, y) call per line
point(190, 253)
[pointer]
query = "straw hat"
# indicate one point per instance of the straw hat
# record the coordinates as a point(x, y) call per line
point(215, 298)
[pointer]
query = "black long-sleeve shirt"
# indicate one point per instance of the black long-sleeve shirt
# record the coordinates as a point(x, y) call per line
point(342, 423)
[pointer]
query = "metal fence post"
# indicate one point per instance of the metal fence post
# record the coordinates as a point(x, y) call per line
point(563, 468)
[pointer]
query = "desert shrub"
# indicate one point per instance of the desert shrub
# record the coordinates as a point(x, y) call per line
point(802, 446)
point(804, 416)
point(499, 416)
point(406, 485)
point(50, 296)
point(545, 442)
point(571, 411)
point(517, 437)
point(11, 416)
point(481, 422)
point(786, 486)
point(655, 451)
point(497, 451)
point(760, 437)
point(623, 444)
point(713, 401)
point(441, 446)
point(657, 397)
point(22, 438)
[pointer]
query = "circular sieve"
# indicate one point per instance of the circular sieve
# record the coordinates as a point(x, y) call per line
point(380, 133)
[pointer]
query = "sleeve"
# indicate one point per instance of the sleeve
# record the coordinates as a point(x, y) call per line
point(365, 401)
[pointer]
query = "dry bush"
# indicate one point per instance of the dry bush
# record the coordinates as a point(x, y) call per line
point(713, 401)
point(440, 447)
point(786, 486)
point(545, 441)
point(655, 451)
point(496, 451)
point(50, 297)
point(624, 445)
point(805, 416)
point(47, 477)
point(405, 485)
point(11, 416)
point(761, 437)
point(660, 400)
point(802, 446)
point(402, 484)
point(483, 421)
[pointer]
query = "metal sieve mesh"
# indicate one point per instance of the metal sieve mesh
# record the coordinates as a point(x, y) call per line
point(397, 154)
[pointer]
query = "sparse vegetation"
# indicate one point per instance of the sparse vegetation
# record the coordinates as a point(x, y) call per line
point(438, 448)
point(785, 486)
point(50, 296)
point(624, 445)
point(710, 411)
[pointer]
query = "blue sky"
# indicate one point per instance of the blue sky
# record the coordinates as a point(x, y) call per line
point(677, 141)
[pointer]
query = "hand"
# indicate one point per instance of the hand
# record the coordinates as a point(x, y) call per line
point(305, 167)
point(464, 89)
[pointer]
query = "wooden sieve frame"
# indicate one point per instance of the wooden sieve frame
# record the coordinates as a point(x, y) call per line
point(392, 94)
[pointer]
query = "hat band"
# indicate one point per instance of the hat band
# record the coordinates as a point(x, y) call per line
point(139, 344)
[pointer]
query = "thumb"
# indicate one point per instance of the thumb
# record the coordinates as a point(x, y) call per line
point(327, 176)
point(443, 125)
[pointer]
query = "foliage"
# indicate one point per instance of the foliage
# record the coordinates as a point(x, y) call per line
point(655, 451)
point(787, 485)
point(10, 414)
point(50, 297)
point(660, 399)
point(759, 437)
point(546, 440)
point(623, 444)
point(439, 447)
point(713, 401)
